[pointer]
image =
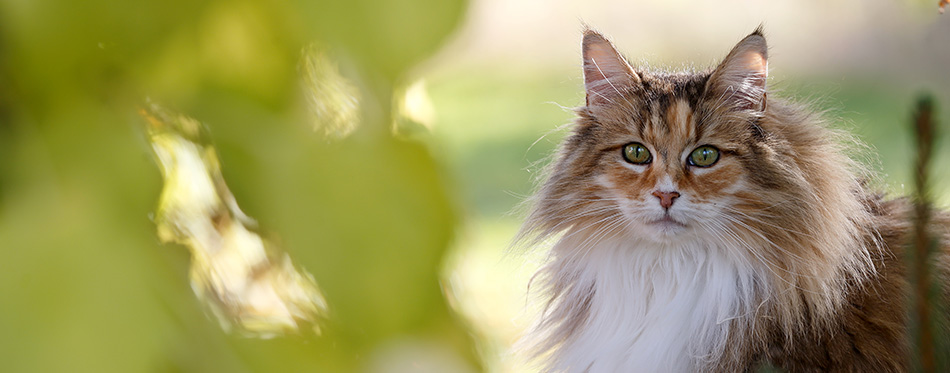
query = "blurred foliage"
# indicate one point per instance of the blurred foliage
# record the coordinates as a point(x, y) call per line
point(247, 281)
point(85, 282)
point(333, 99)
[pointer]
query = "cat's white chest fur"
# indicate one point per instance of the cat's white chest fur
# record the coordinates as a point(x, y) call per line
point(653, 308)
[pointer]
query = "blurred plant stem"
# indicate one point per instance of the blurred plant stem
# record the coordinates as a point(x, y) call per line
point(923, 243)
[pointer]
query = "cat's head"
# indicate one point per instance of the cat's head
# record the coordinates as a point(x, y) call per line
point(677, 156)
point(700, 162)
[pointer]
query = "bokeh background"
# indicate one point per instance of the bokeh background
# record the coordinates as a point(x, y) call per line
point(385, 145)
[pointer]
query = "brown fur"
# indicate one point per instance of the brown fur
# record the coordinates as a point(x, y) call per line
point(868, 331)
point(837, 295)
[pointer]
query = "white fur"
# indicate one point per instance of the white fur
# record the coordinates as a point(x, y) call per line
point(655, 308)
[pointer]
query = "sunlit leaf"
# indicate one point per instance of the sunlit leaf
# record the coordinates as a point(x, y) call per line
point(243, 278)
point(334, 100)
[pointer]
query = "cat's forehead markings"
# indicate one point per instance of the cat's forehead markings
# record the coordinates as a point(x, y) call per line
point(655, 121)
point(679, 117)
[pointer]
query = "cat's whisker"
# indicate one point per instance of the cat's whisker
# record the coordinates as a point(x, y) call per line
point(764, 222)
point(574, 219)
point(764, 239)
point(735, 239)
point(715, 231)
point(610, 222)
point(566, 222)
point(600, 234)
point(772, 266)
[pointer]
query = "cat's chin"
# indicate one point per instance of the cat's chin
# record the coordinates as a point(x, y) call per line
point(664, 230)
point(667, 224)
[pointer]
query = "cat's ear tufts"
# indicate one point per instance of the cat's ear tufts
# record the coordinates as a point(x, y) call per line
point(606, 72)
point(739, 81)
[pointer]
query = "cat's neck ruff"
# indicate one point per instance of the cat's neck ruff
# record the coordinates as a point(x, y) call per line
point(654, 307)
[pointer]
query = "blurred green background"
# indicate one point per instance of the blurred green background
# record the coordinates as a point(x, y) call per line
point(402, 220)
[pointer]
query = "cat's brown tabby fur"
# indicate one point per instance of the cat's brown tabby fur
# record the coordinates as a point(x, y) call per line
point(706, 225)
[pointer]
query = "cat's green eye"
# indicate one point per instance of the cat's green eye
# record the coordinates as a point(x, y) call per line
point(704, 156)
point(636, 153)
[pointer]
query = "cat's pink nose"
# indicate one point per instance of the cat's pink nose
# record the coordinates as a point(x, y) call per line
point(666, 198)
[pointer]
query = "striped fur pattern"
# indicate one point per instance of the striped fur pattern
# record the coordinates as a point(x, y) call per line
point(775, 253)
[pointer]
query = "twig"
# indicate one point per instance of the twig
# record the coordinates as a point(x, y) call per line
point(924, 131)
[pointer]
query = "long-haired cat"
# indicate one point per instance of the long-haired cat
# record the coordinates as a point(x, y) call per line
point(701, 224)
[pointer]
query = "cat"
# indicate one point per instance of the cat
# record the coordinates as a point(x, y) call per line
point(701, 224)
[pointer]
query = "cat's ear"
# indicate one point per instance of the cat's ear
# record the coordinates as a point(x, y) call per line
point(606, 72)
point(739, 81)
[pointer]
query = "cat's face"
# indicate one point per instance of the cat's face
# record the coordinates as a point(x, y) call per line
point(668, 173)
point(667, 157)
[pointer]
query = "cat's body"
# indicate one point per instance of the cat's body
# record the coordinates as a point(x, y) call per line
point(707, 226)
